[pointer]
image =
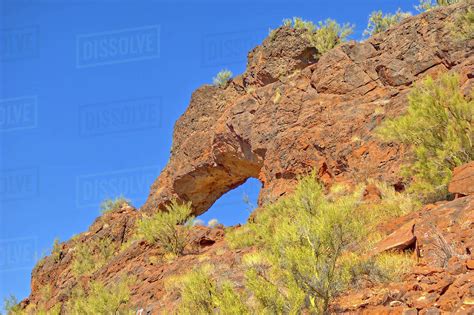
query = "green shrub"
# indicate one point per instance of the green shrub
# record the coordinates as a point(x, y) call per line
point(213, 223)
point(324, 36)
point(169, 229)
point(110, 205)
point(200, 294)
point(11, 305)
point(305, 237)
point(56, 251)
point(426, 5)
point(91, 256)
point(222, 78)
point(378, 22)
point(392, 265)
point(438, 126)
point(392, 204)
point(101, 299)
point(464, 25)
point(312, 245)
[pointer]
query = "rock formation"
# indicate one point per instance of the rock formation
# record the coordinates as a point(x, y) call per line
point(289, 113)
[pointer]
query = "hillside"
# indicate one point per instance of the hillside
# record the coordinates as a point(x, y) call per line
point(288, 114)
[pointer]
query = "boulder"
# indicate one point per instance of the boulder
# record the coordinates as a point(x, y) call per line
point(399, 240)
point(462, 182)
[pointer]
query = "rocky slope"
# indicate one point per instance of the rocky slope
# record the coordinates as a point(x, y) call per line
point(289, 113)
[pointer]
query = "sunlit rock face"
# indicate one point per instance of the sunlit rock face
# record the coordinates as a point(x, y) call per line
point(291, 112)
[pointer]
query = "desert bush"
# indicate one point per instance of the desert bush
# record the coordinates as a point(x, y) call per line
point(379, 22)
point(101, 299)
point(391, 266)
point(56, 251)
point(438, 126)
point(426, 5)
point(312, 245)
point(392, 203)
point(169, 229)
point(201, 294)
point(11, 305)
point(464, 25)
point(110, 205)
point(213, 223)
point(222, 78)
point(324, 36)
point(304, 239)
point(90, 256)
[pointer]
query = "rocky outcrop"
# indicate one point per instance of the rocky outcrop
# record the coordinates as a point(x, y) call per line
point(462, 182)
point(290, 112)
point(442, 281)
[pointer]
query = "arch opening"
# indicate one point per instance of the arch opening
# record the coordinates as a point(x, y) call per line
point(235, 206)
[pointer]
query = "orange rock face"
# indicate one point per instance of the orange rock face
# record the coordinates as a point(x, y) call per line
point(462, 182)
point(290, 113)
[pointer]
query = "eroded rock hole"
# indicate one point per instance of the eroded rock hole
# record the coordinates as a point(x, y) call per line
point(235, 206)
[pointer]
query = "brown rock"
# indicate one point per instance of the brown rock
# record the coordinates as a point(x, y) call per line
point(290, 113)
point(470, 264)
point(399, 240)
point(462, 182)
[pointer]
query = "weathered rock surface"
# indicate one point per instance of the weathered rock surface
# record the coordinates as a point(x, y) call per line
point(462, 182)
point(287, 114)
point(290, 113)
point(442, 281)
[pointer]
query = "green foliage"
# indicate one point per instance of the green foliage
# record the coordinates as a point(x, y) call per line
point(305, 237)
point(56, 251)
point(393, 204)
point(91, 256)
point(11, 305)
point(378, 22)
point(311, 246)
point(200, 294)
point(222, 78)
point(438, 126)
point(392, 266)
point(169, 229)
point(101, 299)
point(324, 36)
point(426, 5)
point(464, 25)
point(110, 205)
point(213, 223)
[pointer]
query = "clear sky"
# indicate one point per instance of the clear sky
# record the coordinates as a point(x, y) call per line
point(90, 91)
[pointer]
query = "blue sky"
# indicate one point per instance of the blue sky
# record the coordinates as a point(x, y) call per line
point(80, 122)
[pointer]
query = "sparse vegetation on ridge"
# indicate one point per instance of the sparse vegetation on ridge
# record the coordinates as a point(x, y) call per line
point(169, 229)
point(222, 78)
point(426, 5)
point(323, 36)
point(379, 22)
point(439, 127)
point(89, 257)
point(110, 205)
point(464, 25)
